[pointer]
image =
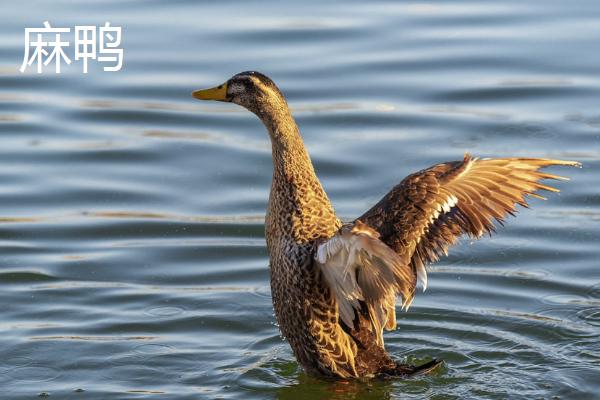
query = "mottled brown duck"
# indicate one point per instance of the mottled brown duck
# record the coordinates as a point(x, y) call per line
point(335, 285)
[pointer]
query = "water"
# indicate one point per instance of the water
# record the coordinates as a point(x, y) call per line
point(132, 257)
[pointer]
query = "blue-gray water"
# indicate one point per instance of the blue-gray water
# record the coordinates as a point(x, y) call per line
point(132, 256)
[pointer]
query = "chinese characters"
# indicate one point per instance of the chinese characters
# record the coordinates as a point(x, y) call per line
point(46, 45)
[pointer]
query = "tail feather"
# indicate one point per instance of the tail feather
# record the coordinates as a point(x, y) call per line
point(425, 368)
point(407, 370)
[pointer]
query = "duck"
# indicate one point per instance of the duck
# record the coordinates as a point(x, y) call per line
point(336, 286)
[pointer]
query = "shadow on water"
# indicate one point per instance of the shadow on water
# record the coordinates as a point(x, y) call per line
point(322, 390)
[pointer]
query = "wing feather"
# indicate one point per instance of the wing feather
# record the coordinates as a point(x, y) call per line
point(384, 253)
point(362, 270)
point(429, 210)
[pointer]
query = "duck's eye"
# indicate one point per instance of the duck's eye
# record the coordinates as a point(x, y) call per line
point(236, 88)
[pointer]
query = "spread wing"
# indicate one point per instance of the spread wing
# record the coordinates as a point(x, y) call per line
point(383, 253)
point(361, 270)
point(429, 210)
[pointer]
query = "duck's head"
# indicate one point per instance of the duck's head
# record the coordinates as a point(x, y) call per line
point(251, 90)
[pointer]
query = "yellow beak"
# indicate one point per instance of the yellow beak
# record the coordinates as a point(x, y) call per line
point(216, 93)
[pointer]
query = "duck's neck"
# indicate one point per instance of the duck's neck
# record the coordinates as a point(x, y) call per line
point(291, 162)
point(298, 206)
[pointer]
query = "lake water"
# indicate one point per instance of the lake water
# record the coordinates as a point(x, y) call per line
point(132, 254)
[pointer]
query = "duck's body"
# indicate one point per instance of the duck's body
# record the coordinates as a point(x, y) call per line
point(299, 213)
point(300, 216)
point(334, 286)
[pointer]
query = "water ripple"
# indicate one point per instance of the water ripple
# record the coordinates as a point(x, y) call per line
point(34, 373)
point(132, 252)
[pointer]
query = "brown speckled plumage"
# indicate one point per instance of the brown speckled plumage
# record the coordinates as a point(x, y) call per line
point(386, 248)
